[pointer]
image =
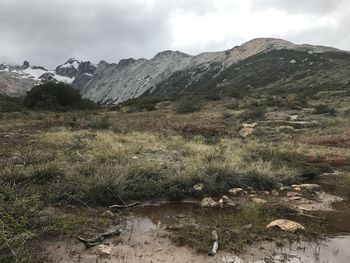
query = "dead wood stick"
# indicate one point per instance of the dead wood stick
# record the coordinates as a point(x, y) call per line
point(98, 239)
point(215, 243)
point(118, 207)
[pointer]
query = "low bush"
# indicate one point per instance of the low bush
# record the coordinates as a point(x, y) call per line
point(324, 109)
point(189, 105)
point(100, 124)
point(255, 113)
point(56, 96)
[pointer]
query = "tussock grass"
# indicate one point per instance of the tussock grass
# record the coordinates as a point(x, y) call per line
point(102, 158)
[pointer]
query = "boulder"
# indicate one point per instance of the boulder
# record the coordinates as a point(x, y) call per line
point(104, 250)
point(236, 191)
point(209, 202)
point(286, 225)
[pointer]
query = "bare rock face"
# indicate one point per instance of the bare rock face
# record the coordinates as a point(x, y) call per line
point(169, 72)
point(84, 74)
point(68, 69)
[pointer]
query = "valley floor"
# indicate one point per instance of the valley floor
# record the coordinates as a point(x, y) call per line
point(60, 171)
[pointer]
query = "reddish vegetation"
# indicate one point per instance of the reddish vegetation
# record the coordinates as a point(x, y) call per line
point(343, 141)
point(336, 160)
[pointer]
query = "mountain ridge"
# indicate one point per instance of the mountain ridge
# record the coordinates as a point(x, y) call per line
point(132, 78)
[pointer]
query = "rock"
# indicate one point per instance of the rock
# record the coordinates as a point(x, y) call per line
point(249, 125)
point(236, 191)
point(245, 132)
point(209, 202)
point(25, 65)
point(227, 201)
point(259, 201)
point(275, 193)
point(104, 250)
point(297, 189)
point(198, 187)
point(286, 225)
point(306, 186)
point(293, 194)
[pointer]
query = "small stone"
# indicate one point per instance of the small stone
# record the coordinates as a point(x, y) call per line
point(104, 250)
point(236, 191)
point(228, 201)
point(306, 186)
point(209, 202)
point(198, 187)
point(259, 201)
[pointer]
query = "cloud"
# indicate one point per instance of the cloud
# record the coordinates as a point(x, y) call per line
point(49, 32)
point(301, 6)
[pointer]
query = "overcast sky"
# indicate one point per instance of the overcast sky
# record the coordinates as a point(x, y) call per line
point(47, 32)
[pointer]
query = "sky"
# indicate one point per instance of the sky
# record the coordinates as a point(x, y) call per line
point(48, 32)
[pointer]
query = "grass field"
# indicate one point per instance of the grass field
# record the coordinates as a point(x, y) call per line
point(93, 159)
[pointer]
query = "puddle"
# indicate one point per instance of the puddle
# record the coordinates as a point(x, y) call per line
point(334, 249)
point(145, 239)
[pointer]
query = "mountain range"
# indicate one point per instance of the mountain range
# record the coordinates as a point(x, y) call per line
point(271, 64)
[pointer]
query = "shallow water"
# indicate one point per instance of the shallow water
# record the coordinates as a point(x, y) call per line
point(335, 248)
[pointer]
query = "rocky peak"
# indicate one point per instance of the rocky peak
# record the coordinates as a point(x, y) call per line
point(126, 62)
point(68, 69)
point(170, 54)
point(25, 64)
point(86, 67)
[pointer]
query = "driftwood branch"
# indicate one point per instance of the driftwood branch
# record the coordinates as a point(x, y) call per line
point(98, 239)
point(115, 208)
point(215, 243)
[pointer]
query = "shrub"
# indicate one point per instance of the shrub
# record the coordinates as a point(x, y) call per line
point(254, 113)
point(188, 105)
point(324, 109)
point(213, 96)
point(100, 124)
point(139, 104)
point(56, 96)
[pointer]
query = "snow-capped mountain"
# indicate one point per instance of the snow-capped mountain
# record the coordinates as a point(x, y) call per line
point(17, 80)
point(131, 78)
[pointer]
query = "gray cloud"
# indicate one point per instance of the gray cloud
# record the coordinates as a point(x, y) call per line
point(48, 32)
point(301, 6)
